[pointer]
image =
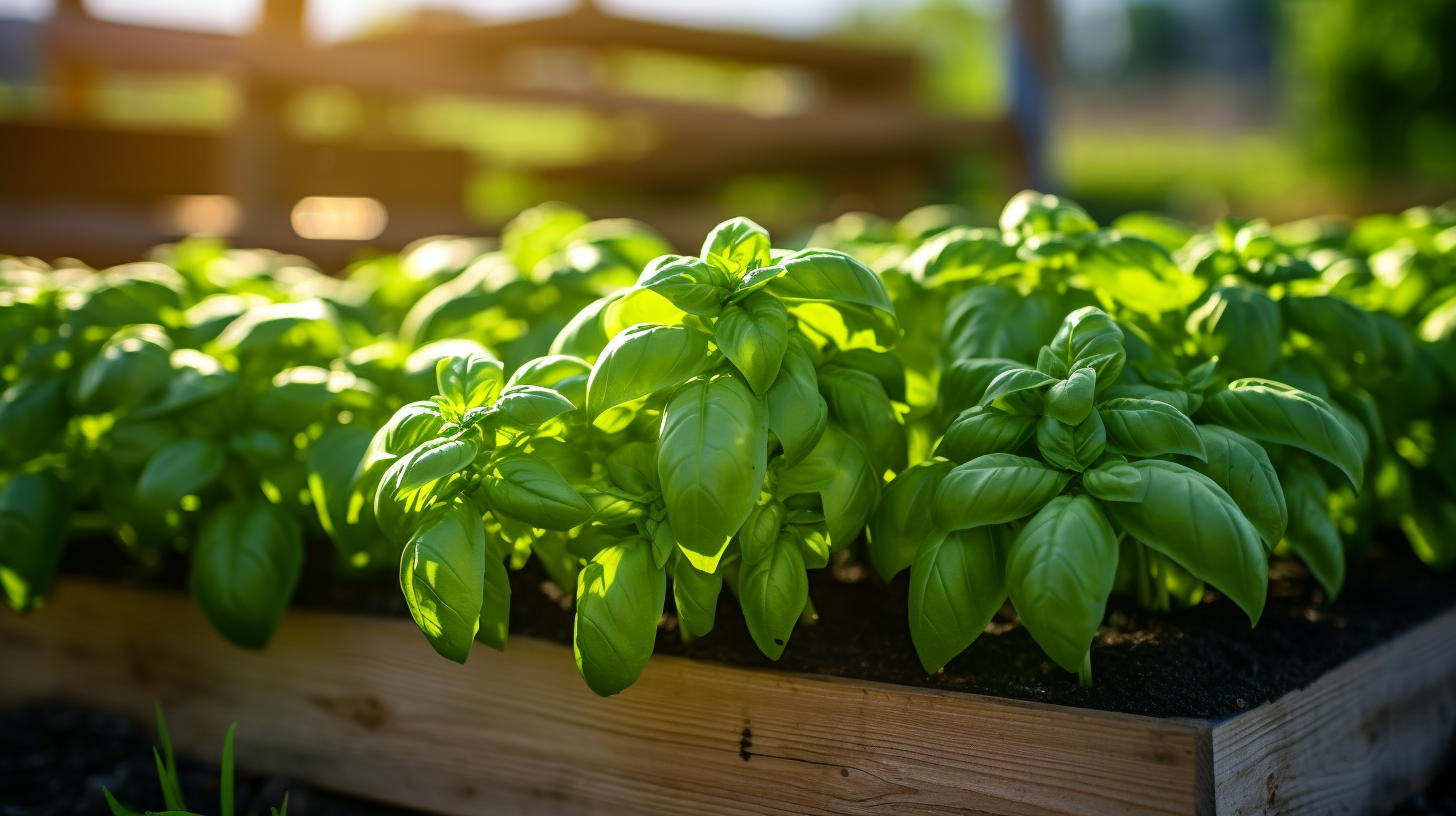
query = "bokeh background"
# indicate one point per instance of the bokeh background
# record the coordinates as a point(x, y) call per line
point(333, 127)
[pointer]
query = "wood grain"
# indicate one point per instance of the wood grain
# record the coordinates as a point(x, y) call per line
point(1357, 741)
point(363, 705)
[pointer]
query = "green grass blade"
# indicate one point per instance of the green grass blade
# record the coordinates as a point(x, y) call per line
point(118, 810)
point(227, 772)
point(167, 765)
point(283, 811)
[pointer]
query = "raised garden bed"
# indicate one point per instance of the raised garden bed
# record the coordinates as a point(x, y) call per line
point(358, 703)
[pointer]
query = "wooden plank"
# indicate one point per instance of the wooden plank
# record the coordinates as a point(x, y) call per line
point(1357, 741)
point(363, 705)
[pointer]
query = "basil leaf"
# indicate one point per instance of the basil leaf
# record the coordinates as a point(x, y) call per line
point(797, 413)
point(1147, 428)
point(32, 414)
point(1071, 447)
point(816, 274)
point(527, 488)
point(773, 592)
point(133, 364)
point(1241, 326)
point(1015, 381)
point(957, 584)
point(980, 430)
point(692, 285)
point(860, 405)
point(695, 593)
point(35, 512)
point(523, 407)
point(994, 489)
point(753, 334)
point(180, 469)
point(902, 522)
point(495, 605)
point(633, 468)
point(1190, 519)
point(1348, 331)
point(469, 382)
point(1071, 399)
point(585, 335)
point(737, 246)
point(1242, 468)
point(1267, 411)
point(840, 471)
point(711, 459)
point(760, 531)
point(1088, 338)
point(619, 599)
point(644, 359)
point(964, 382)
point(244, 568)
point(1059, 573)
point(1312, 534)
point(996, 321)
point(442, 576)
point(1117, 481)
point(346, 517)
point(430, 462)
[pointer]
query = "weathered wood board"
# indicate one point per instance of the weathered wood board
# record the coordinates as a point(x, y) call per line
point(362, 704)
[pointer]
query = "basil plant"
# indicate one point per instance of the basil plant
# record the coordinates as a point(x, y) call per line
point(1068, 480)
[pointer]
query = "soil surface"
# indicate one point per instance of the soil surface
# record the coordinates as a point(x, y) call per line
point(55, 758)
point(1203, 661)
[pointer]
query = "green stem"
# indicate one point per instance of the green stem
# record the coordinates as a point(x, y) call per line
point(1084, 674)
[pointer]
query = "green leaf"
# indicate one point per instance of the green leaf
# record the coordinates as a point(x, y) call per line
point(1015, 381)
point(1071, 399)
point(980, 430)
point(831, 276)
point(773, 592)
point(619, 599)
point(441, 573)
point(1115, 480)
point(957, 583)
point(760, 531)
point(35, 512)
point(737, 246)
point(524, 407)
point(527, 488)
point(1147, 428)
point(633, 468)
point(964, 382)
point(1059, 573)
point(1190, 519)
point(711, 460)
point(495, 606)
point(1268, 411)
point(994, 489)
point(1071, 447)
point(644, 359)
point(411, 426)
point(1348, 331)
point(32, 415)
point(180, 469)
point(1311, 533)
point(902, 522)
point(134, 363)
point(196, 378)
point(695, 593)
point(860, 405)
point(1242, 468)
point(345, 514)
point(996, 322)
point(1241, 326)
point(244, 567)
point(692, 285)
point(469, 382)
point(1088, 338)
point(797, 413)
point(434, 460)
point(840, 471)
point(1138, 274)
point(753, 334)
point(585, 335)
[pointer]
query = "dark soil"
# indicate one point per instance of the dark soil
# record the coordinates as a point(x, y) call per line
point(1200, 662)
point(55, 758)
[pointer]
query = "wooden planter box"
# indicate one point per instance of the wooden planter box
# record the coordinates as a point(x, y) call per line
point(363, 705)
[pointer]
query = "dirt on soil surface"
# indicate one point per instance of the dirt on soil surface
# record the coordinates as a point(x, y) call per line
point(1203, 661)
